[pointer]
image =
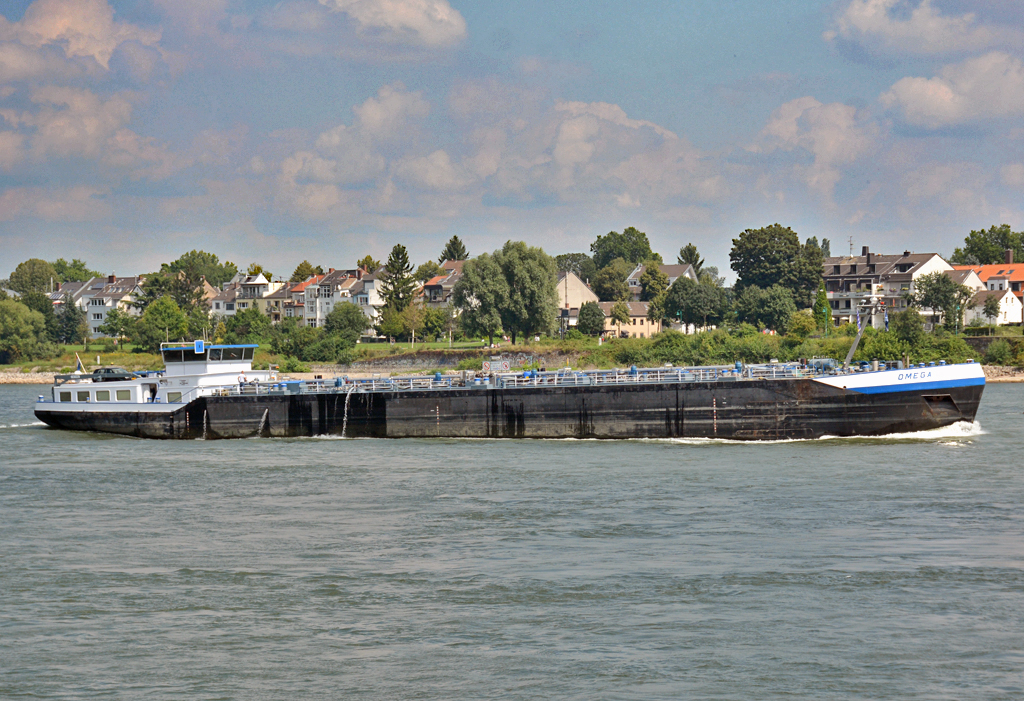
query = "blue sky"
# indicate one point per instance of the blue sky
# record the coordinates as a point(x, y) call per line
point(272, 132)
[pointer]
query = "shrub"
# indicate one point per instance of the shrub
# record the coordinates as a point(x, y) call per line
point(999, 353)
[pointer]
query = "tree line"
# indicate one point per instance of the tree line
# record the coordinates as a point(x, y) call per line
point(511, 291)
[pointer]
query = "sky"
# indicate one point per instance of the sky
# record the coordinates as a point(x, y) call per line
point(283, 130)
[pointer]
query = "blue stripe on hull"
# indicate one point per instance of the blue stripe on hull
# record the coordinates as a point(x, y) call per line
point(918, 386)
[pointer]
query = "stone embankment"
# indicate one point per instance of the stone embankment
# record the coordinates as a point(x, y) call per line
point(1001, 373)
point(17, 377)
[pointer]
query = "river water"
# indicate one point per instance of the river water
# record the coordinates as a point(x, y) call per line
point(422, 569)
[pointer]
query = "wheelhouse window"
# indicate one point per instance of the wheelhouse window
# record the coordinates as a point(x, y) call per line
point(103, 395)
point(231, 353)
point(124, 395)
point(214, 354)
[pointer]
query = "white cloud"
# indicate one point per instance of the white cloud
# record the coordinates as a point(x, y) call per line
point(1013, 175)
point(924, 31)
point(834, 134)
point(82, 28)
point(81, 203)
point(11, 149)
point(434, 172)
point(432, 23)
point(989, 86)
point(391, 112)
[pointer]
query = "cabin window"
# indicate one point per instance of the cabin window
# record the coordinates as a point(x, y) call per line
point(172, 356)
point(214, 354)
point(103, 395)
point(65, 396)
point(189, 355)
point(173, 397)
point(247, 353)
point(83, 396)
point(124, 395)
point(231, 353)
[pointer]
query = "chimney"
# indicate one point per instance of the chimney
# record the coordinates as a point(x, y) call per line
point(906, 253)
point(1009, 256)
point(866, 252)
point(111, 278)
point(330, 270)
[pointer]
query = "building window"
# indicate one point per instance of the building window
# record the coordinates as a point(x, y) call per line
point(216, 305)
point(83, 396)
point(229, 306)
point(103, 395)
point(124, 395)
point(65, 396)
point(97, 317)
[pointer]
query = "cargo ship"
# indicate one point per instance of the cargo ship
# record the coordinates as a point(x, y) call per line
point(211, 391)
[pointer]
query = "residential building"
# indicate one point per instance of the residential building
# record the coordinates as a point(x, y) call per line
point(1007, 275)
point(273, 303)
point(336, 287)
point(573, 293)
point(674, 272)
point(76, 291)
point(437, 291)
point(115, 293)
point(1010, 308)
point(876, 284)
point(639, 325)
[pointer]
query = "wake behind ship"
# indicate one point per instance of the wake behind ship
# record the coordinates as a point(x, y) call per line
point(211, 391)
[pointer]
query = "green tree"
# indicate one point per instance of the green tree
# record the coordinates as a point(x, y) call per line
point(695, 303)
point(631, 245)
point(579, 263)
point(200, 323)
point(768, 308)
point(822, 309)
point(991, 308)
point(257, 269)
point(368, 263)
point(801, 325)
point(118, 324)
point(480, 294)
point(248, 326)
point(453, 250)
point(591, 319)
point(435, 321)
point(709, 276)
point(986, 247)
point(610, 282)
point(689, 254)
point(196, 265)
point(773, 255)
point(391, 323)
point(412, 317)
point(653, 282)
point(37, 301)
point(908, 327)
point(72, 325)
point(939, 291)
point(999, 352)
point(305, 270)
point(22, 333)
point(346, 318)
point(290, 339)
point(397, 284)
point(162, 321)
point(620, 315)
point(34, 275)
point(531, 276)
point(427, 270)
point(75, 271)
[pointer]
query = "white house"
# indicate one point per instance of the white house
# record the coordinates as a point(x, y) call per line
point(673, 272)
point(115, 293)
point(1010, 307)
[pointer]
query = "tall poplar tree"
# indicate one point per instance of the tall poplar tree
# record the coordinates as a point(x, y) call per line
point(397, 283)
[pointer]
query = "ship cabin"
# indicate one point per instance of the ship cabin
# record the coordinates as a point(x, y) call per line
point(191, 370)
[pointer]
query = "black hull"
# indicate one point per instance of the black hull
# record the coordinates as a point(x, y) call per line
point(739, 410)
